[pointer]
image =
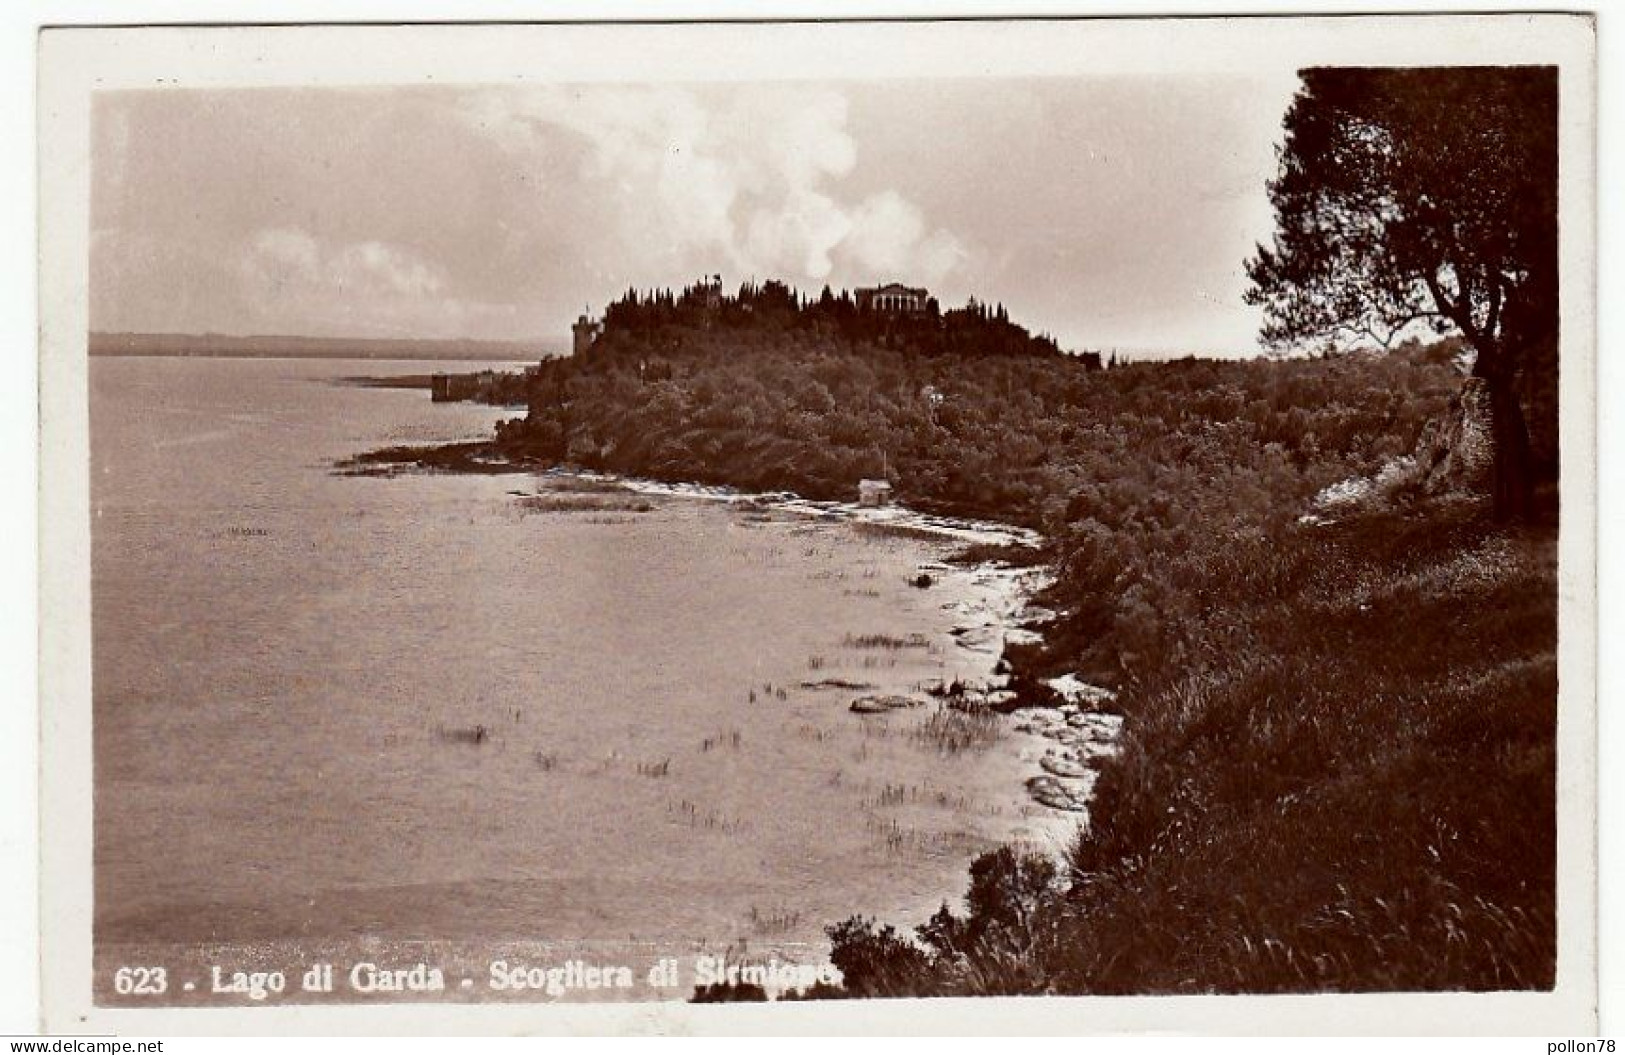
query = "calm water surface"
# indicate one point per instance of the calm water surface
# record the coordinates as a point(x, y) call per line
point(283, 657)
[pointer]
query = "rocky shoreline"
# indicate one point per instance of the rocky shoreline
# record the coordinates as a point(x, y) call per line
point(1082, 729)
point(960, 529)
point(1083, 734)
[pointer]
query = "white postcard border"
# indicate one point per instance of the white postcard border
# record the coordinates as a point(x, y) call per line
point(76, 62)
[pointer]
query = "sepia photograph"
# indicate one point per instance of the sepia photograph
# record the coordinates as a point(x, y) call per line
point(793, 513)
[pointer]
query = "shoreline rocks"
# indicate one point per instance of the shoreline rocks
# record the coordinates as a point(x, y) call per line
point(1060, 763)
point(1081, 735)
point(1057, 793)
point(961, 529)
point(1073, 690)
point(883, 704)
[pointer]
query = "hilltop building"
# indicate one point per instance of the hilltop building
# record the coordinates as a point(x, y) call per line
point(586, 331)
point(893, 298)
point(709, 288)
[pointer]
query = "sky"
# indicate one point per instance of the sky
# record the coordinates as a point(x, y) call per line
point(1109, 212)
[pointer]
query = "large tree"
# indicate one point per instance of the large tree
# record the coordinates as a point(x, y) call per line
point(1428, 196)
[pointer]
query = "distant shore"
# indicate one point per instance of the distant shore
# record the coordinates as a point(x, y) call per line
point(227, 346)
point(413, 381)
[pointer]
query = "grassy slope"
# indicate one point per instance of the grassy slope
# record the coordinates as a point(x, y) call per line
point(1352, 787)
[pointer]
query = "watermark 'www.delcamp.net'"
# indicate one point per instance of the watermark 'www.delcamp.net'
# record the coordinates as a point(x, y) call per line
point(91, 1047)
point(1579, 1047)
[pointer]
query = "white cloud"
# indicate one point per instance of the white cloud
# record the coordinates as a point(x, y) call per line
point(797, 237)
point(287, 260)
point(888, 236)
point(285, 256)
point(365, 264)
point(751, 182)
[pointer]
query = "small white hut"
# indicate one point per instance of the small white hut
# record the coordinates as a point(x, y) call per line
point(874, 493)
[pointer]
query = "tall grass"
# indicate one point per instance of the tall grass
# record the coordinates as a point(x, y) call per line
point(953, 730)
point(1367, 801)
point(584, 502)
point(889, 642)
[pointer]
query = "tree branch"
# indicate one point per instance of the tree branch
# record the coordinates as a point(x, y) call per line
point(1368, 330)
point(1450, 310)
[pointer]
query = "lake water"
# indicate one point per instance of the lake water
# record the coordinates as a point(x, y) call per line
point(289, 665)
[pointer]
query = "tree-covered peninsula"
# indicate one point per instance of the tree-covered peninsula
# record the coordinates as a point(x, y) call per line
point(1336, 665)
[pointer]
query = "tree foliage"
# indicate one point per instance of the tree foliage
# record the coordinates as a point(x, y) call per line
point(1422, 196)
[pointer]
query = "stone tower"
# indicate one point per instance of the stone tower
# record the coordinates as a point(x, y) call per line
point(586, 331)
